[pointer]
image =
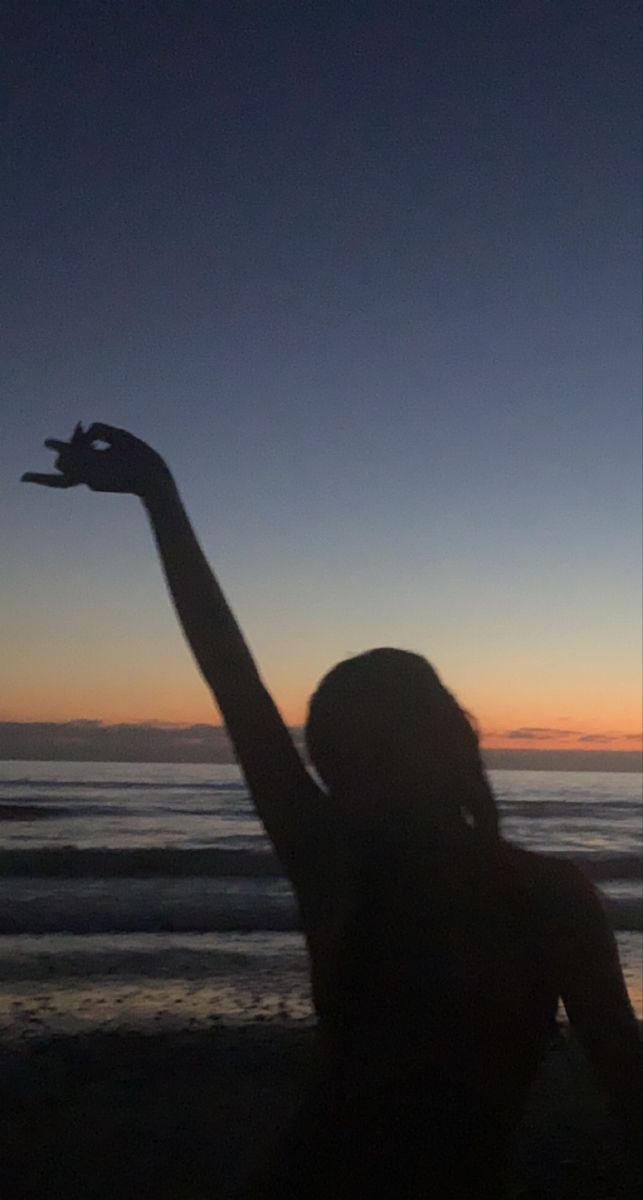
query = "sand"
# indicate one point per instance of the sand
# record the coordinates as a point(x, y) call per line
point(181, 1116)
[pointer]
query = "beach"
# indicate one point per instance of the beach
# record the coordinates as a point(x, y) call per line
point(185, 1116)
point(155, 1014)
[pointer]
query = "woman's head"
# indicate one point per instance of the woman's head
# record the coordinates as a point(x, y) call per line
point(394, 746)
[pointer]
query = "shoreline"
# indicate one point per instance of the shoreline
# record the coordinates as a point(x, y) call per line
point(182, 1115)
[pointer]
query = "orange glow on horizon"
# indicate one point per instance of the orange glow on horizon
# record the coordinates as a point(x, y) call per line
point(553, 741)
point(192, 705)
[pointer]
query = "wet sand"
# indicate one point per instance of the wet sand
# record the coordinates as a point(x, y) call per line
point(182, 1116)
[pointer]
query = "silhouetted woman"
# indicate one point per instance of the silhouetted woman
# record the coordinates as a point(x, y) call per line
point(438, 950)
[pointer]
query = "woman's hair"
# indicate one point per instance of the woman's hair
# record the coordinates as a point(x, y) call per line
point(388, 707)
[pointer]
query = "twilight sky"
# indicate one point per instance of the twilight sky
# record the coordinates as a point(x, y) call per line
point(367, 275)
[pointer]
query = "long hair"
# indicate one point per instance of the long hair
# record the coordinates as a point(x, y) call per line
point(394, 695)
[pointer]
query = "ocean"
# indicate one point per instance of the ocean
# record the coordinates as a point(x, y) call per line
point(145, 896)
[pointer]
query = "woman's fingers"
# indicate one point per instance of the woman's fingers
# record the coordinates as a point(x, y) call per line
point(99, 432)
point(121, 464)
point(53, 481)
point(76, 458)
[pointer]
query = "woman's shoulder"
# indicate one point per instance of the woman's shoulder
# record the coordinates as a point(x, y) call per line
point(553, 877)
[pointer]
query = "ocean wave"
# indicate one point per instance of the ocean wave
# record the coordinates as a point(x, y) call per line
point(125, 785)
point(38, 808)
point(30, 811)
point(269, 915)
point(188, 920)
point(572, 807)
point(143, 862)
point(203, 957)
point(536, 806)
point(138, 863)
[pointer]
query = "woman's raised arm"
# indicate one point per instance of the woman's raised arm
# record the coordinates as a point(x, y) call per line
point(288, 801)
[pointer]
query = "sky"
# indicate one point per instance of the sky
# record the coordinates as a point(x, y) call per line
point(367, 275)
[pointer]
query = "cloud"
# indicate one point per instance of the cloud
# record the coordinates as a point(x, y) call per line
point(634, 737)
point(600, 739)
point(544, 758)
point(539, 733)
point(91, 741)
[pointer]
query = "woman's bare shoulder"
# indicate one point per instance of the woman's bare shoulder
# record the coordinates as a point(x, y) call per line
point(551, 875)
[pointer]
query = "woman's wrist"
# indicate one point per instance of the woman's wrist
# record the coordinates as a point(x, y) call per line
point(160, 490)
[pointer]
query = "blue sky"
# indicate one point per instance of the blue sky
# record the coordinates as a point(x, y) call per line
point(367, 274)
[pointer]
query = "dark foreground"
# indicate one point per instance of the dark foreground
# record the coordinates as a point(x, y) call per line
point(119, 1116)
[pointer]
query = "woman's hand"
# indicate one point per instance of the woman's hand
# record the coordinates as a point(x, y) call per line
point(126, 465)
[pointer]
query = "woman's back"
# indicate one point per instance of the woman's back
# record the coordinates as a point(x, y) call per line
point(439, 991)
point(449, 951)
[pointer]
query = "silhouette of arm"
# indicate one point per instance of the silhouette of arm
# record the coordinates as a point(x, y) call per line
point(292, 808)
point(281, 787)
point(596, 998)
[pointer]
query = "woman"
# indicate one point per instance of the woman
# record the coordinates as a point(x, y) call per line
point(438, 951)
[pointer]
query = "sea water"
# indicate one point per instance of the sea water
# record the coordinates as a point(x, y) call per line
point(145, 895)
